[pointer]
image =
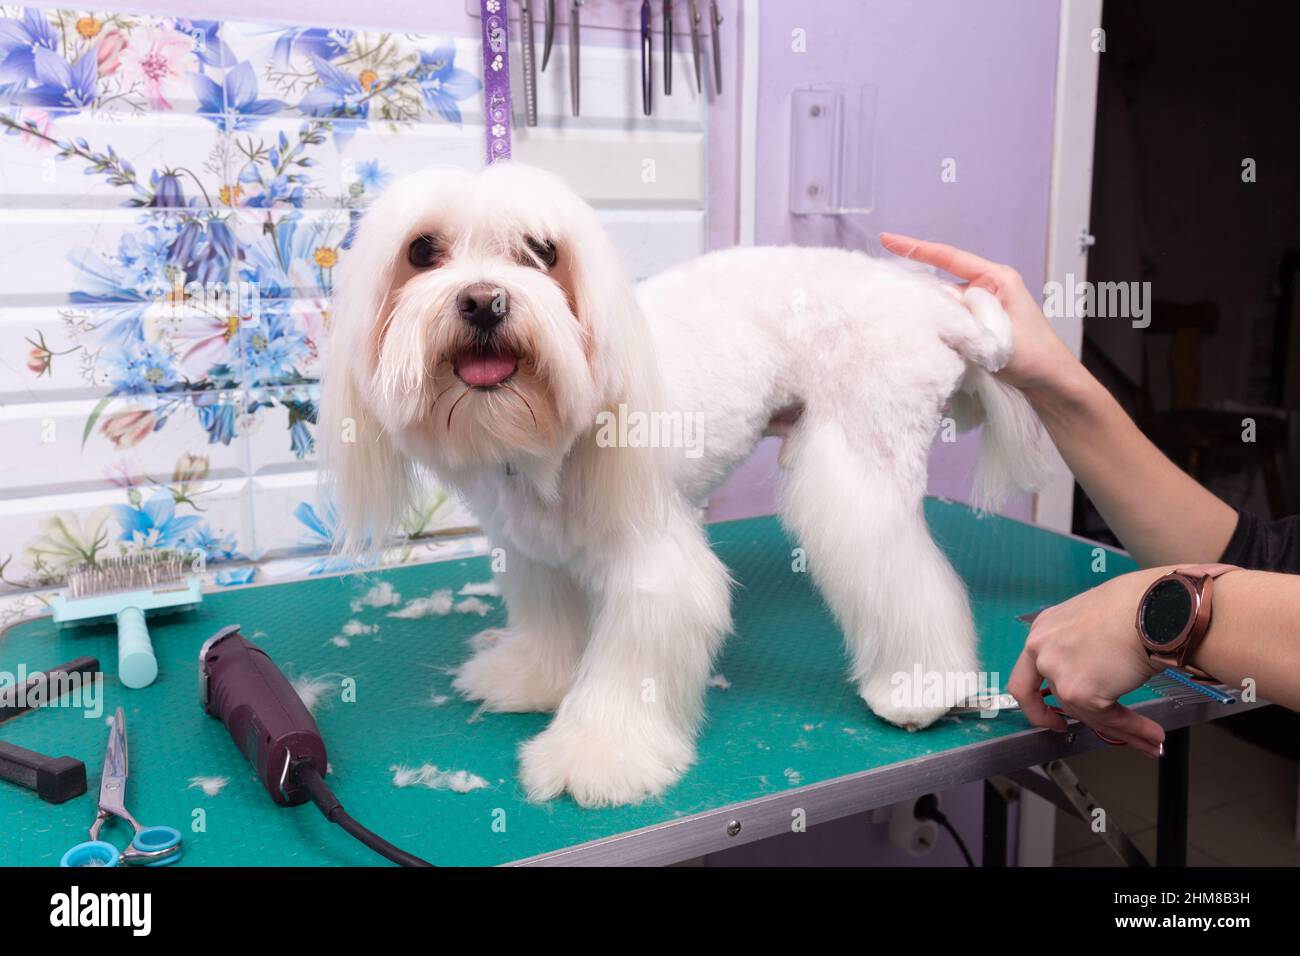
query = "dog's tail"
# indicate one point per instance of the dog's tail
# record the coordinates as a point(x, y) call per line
point(1015, 454)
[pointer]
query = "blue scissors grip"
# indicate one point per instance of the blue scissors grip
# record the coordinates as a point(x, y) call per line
point(91, 853)
point(156, 839)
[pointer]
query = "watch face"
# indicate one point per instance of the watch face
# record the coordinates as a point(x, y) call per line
point(1166, 611)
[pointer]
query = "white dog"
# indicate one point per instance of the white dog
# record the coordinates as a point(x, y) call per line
point(485, 330)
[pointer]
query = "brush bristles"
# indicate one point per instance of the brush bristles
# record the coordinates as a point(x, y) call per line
point(133, 572)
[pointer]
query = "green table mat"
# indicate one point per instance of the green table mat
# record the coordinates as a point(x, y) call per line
point(789, 717)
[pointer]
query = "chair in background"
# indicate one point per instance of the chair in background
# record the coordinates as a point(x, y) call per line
point(1188, 432)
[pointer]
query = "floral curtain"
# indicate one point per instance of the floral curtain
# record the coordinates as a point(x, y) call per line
point(177, 196)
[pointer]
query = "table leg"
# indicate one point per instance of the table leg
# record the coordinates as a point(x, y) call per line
point(995, 826)
point(1171, 801)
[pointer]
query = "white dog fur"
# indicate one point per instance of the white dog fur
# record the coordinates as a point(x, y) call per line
point(616, 604)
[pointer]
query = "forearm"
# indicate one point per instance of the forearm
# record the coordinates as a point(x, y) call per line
point(1255, 635)
point(1160, 514)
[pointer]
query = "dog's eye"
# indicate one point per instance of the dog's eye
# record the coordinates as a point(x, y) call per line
point(543, 250)
point(424, 252)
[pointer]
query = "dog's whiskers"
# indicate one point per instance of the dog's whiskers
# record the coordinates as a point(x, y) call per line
point(442, 393)
point(453, 406)
point(522, 399)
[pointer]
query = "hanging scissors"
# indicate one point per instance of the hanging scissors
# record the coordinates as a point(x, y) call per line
point(150, 846)
point(548, 15)
point(694, 17)
point(647, 72)
point(716, 18)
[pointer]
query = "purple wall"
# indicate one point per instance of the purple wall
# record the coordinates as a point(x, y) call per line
point(970, 81)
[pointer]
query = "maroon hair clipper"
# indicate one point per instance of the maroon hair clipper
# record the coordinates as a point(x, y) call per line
point(240, 685)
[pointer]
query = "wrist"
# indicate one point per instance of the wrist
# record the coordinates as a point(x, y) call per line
point(1070, 392)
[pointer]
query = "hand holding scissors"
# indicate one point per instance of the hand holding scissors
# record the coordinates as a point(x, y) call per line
point(150, 846)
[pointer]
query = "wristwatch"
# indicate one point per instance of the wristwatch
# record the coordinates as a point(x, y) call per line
point(1174, 613)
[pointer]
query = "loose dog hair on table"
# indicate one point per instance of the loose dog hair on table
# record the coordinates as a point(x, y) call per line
point(485, 330)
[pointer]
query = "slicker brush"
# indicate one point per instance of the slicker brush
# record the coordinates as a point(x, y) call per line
point(125, 590)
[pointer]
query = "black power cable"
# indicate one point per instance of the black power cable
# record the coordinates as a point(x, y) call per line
point(309, 778)
point(927, 808)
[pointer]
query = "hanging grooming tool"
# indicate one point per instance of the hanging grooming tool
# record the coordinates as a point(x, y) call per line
point(668, 47)
point(575, 28)
point(548, 30)
point(529, 50)
point(716, 17)
point(150, 846)
point(241, 686)
point(696, 44)
point(54, 779)
point(125, 590)
point(41, 688)
point(647, 79)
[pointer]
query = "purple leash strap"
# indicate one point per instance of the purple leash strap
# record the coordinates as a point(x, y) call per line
point(496, 79)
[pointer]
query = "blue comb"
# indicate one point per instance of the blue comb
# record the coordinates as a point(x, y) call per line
point(125, 590)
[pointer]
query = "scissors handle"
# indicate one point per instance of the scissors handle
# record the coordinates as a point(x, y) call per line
point(151, 846)
point(154, 846)
point(92, 853)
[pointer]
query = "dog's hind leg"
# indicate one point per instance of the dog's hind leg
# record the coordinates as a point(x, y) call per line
point(528, 665)
point(857, 511)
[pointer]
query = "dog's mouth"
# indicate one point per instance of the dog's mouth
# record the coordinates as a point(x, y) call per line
point(485, 367)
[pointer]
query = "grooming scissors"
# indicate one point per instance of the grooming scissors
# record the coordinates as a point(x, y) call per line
point(548, 36)
point(696, 44)
point(668, 47)
point(150, 846)
point(716, 17)
point(996, 703)
point(647, 72)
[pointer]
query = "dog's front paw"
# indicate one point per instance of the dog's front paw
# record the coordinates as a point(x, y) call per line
point(899, 707)
point(599, 768)
point(510, 673)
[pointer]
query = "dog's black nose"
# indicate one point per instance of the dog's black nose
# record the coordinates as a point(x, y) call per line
point(483, 306)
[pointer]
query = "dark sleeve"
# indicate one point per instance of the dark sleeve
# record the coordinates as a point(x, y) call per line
point(1261, 545)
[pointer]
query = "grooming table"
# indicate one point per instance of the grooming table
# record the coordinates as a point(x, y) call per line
point(788, 732)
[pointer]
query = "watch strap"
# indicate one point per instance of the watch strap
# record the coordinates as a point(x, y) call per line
point(1206, 570)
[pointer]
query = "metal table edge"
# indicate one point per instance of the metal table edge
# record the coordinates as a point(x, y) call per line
point(674, 841)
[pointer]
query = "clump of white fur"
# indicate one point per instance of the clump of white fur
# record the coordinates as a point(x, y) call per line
point(429, 776)
point(437, 604)
point(209, 785)
point(311, 690)
point(382, 594)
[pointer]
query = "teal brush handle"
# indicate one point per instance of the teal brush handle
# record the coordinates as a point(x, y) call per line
point(136, 665)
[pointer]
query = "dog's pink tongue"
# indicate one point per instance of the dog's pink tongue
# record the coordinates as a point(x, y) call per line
point(484, 369)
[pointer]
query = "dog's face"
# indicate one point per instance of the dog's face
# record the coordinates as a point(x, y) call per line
point(480, 320)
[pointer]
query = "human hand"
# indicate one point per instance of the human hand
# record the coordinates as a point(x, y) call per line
point(1088, 650)
point(1040, 361)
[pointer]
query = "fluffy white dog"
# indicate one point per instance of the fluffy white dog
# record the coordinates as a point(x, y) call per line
point(485, 330)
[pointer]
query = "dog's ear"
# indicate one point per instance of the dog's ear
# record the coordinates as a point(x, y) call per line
point(618, 339)
point(365, 476)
